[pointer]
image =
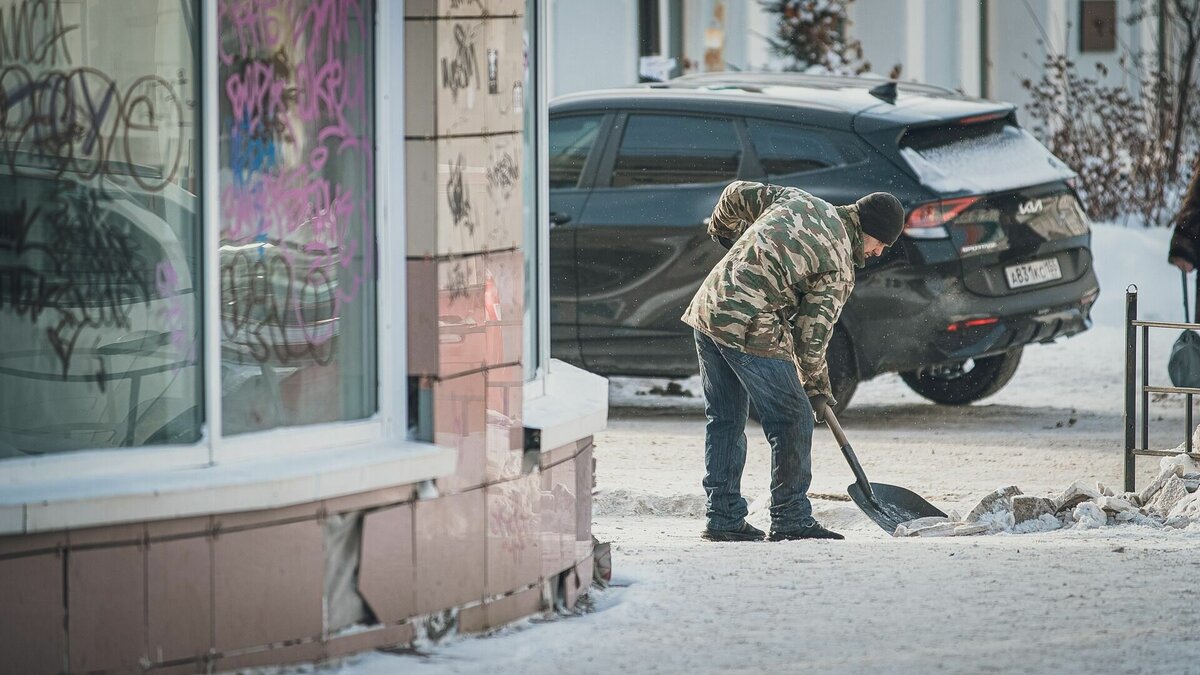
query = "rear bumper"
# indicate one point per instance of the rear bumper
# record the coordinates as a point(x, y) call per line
point(1014, 331)
point(1039, 315)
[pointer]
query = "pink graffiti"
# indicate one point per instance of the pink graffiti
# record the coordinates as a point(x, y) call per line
point(253, 24)
point(275, 204)
point(256, 94)
point(174, 315)
point(295, 78)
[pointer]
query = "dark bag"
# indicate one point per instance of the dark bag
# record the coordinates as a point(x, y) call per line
point(1184, 364)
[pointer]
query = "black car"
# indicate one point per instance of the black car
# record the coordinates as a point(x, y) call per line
point(995, 253)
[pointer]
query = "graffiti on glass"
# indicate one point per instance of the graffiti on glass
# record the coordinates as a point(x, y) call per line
point(297, 243)
point(32, 32)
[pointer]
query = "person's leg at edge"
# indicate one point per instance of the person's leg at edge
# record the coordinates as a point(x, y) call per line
point(787, 421)
point(726, 407)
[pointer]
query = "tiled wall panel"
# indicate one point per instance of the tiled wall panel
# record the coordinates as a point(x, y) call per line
point(459, 8)
point(449, 540)
point(565, 501)
point(106, 623)
point(465, 76)
point(31, 594)
point(179, 598)
point(268, 584)
point(465, 313)
point(464, 195)
point(424, 346)
point(505, 430)
point(506, 106)
point(557, 518)
point(387, 573)
point(513, 535)
point(460, 421)
point(504, 280)
point(584, 483)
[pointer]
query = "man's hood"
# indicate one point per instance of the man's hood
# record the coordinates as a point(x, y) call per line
point(849, 217)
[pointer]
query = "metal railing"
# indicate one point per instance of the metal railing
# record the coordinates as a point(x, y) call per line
point(1132, 449)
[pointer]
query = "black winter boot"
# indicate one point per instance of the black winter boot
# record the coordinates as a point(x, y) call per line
point(814, 531)
point(744, 532)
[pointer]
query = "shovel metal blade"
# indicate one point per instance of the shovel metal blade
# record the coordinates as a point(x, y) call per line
point(891, 505)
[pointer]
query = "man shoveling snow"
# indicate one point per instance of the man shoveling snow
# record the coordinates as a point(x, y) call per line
point(1171, 500)
point(790, 255)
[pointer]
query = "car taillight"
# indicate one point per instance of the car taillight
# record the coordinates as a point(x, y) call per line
point(972, 323)
point(928, 221)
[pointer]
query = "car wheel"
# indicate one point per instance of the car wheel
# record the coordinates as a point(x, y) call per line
point(966, 382)
point(843, 373)
point(843, 370)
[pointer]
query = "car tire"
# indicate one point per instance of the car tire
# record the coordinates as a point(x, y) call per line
point(843, 372)
point(843, 369)
point(987, 376)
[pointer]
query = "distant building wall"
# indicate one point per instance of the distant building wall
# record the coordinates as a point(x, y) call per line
point(940, 42)
point(593, 45)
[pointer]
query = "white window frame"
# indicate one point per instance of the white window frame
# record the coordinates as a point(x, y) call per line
point(562, 402)
point(110, 479)
point(535, 377)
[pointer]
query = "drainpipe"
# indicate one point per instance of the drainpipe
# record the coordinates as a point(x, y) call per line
point(1162, 63)
point(1162, 35)
point(984, 48)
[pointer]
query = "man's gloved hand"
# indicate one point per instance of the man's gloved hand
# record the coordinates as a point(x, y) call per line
point(819, 402)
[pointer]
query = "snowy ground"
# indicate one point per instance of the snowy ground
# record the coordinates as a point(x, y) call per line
point(1115, 600)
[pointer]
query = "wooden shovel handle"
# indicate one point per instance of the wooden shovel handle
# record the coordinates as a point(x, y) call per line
point(836, 428)
point(860, 476)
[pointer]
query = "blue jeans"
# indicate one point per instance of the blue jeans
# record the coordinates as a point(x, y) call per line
point(732, 379)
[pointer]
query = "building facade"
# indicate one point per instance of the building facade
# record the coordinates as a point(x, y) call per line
point(274, 373)
point(981, 47)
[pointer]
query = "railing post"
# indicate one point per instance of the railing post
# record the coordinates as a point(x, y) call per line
point(1130, 385)
point(1188, 431)
point(1145, 383)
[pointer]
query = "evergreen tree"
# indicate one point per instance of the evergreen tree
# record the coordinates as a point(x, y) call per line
point(810, 35)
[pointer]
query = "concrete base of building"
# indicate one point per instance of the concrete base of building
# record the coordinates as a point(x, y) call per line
point(307, 583)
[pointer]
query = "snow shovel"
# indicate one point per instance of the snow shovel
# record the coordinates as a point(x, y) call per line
point(887, 505)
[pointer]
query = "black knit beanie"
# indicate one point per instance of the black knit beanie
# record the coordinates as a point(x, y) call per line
point(881, 216)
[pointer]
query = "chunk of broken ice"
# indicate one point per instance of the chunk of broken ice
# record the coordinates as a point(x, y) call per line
point(1089, 515)
point(1001, 498)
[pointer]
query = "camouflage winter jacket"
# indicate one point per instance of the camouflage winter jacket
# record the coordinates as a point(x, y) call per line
point(796, 259)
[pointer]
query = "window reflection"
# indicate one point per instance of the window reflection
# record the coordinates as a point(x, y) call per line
point(296, 204)
point(99, 225)
point(676, 150)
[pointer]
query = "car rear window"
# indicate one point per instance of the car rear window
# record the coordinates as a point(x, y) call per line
point(571, 139)
point(786, 149)
point(980, 158)
point(675, 150)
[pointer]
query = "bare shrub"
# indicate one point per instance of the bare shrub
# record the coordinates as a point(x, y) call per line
point(1131, 144)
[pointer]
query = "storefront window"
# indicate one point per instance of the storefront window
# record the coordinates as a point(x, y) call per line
point(100, 281)
point(297, 277)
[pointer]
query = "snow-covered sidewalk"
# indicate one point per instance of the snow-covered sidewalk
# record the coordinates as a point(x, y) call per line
point(1115, 600)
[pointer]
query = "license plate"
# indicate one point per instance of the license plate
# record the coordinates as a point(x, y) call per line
point(1033, 273)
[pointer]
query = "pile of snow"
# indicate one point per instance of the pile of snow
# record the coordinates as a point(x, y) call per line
point(1171, 500)
point(625, 502)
